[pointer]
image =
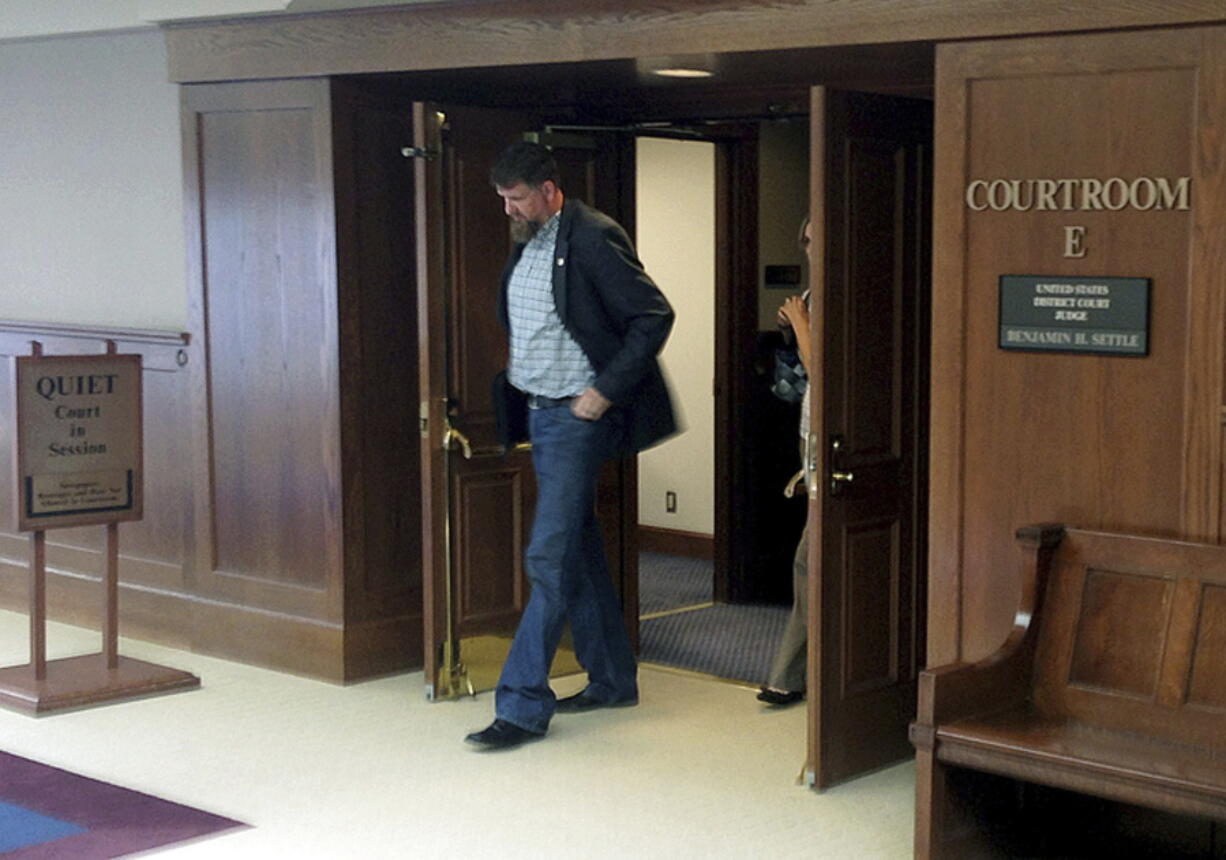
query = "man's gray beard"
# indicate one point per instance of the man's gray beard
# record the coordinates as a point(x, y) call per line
point(522, 231)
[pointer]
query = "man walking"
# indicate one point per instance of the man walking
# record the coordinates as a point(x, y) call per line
point(586, 324)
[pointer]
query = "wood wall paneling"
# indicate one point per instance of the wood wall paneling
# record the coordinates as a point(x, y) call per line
point(300, 241)
point(269, 323)
point(379, 392)
point(1122, 443)
point(1203, 501)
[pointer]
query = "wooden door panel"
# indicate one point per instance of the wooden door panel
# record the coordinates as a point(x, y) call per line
point(490, 532)
point(870, 589)
point(268, 529)
point(262, 396)
point(875, 173)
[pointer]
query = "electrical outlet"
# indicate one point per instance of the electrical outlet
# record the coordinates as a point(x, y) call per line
point(670, 502)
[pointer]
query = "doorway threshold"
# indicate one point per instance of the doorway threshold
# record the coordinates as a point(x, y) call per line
point(664, 613)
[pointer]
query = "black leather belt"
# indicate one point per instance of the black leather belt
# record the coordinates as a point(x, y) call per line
point(536, 401)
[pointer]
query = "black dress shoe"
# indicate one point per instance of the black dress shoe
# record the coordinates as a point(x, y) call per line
point(778, 698)
point(584, 701)
point(501, 735)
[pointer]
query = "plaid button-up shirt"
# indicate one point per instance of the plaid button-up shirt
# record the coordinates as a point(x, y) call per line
point(545, 359)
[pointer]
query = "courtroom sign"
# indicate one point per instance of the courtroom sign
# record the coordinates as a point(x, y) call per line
point(79, 446)
point(1101, 316)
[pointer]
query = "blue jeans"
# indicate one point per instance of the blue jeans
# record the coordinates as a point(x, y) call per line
point(569, 574)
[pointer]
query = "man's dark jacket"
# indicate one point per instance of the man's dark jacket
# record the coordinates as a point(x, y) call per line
point(616, 314)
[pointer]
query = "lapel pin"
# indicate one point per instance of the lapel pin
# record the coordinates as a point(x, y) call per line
point(561, 261)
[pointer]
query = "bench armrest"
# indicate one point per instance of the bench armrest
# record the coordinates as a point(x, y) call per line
point(959, 690)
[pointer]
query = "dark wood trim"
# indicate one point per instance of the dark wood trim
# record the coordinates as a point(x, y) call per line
point(724, 411)
point(1202, 490)
point(429, 221)
point(631, 545)
point(625, 213)
point(382, 646)
point(516, 32)
point(736, 325)
point(947, 372)
point(374, 199)
point(676, 542)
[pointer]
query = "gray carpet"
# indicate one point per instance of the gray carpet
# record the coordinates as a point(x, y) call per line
point(672, 581)
point(728, 641)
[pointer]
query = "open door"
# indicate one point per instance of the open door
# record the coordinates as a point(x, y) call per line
point(870, 202)
point(478, 499)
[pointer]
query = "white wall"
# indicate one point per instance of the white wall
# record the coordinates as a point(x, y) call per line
point(91, 200)
point(675, 233)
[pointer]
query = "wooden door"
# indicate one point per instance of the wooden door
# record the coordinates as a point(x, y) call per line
point(477, 499)
point(871, 193)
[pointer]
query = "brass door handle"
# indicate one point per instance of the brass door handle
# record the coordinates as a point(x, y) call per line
point(838, 480)
point(454, 435)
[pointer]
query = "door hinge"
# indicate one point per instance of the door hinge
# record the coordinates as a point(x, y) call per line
point(423, 422)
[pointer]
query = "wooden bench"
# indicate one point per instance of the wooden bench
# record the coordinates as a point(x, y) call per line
point(1112, 683)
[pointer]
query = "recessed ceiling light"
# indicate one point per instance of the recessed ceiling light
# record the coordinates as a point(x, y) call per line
point(682, 73)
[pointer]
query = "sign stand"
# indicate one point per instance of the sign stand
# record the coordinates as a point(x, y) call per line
point(42, 686)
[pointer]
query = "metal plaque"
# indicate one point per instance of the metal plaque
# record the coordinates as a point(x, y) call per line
point(1053, 313)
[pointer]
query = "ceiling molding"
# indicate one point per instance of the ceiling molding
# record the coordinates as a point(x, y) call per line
point(485, 33)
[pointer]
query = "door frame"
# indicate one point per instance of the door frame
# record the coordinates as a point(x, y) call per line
point(736, 326)
point(736, 312)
